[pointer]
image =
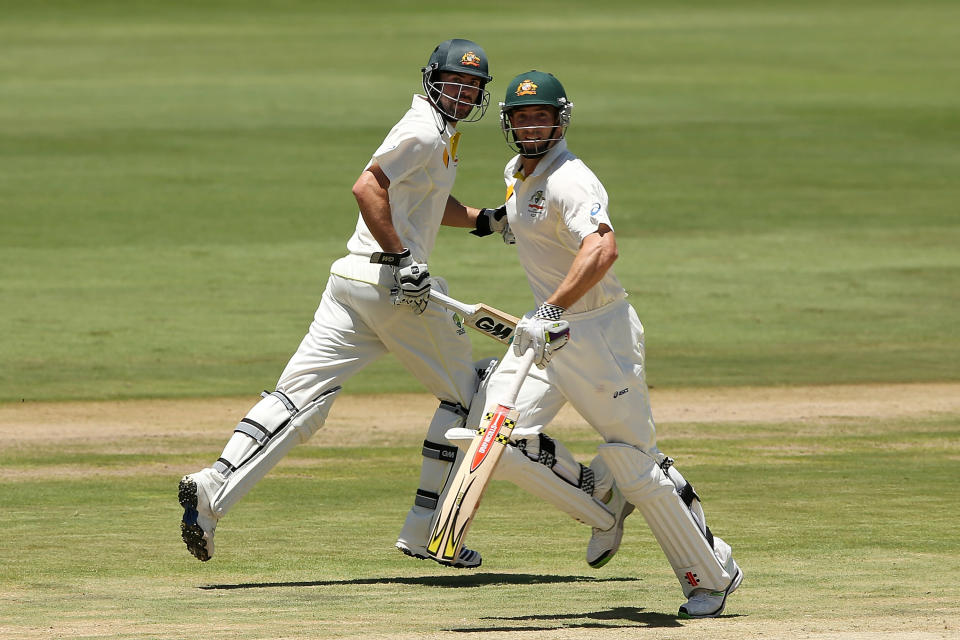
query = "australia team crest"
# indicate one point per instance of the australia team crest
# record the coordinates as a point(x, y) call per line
point(470, 59)
point(527, 88)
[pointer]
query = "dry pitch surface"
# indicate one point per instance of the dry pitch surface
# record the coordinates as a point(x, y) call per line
point(350, 422)
point(356, 418)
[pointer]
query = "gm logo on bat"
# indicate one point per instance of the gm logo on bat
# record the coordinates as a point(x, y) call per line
point(494, 328)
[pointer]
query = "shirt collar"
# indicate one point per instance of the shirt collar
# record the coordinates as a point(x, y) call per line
point(422, 103)
point(547, 161)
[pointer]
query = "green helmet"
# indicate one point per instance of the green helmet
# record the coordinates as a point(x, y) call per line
point(457, 56)
point(529, 89)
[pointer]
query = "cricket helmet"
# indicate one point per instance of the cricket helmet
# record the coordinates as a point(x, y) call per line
point(457, 56)
point(535, 88)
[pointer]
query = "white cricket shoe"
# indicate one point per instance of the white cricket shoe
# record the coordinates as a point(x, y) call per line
point(415, 533)
point(704, 603)
point(199, 521)
point(468, 558)
point(604, 543)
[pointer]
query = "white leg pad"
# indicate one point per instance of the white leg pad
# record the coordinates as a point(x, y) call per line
point(646, 485)
point(546, 482)
point(602, 477)
point(686, 489)
point(439, 464)
point(262, 439)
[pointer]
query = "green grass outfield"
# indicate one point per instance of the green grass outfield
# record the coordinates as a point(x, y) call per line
point(839, 525)
point(175, 181)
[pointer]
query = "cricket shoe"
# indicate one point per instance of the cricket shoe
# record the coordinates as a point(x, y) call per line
point(704, 603)
point(468, 558)
point(604, 543)
point(199, 521)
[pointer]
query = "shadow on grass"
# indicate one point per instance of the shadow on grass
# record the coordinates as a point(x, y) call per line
point(459, 581)
point(616, 618)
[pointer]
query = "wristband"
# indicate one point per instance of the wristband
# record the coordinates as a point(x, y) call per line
point(385, 257)
point(483, 223)
point(549, 311)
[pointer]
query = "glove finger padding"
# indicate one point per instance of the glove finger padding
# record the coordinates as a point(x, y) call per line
point(558, 334)
point(543, 335)
point(413, 286)
point(411, 279)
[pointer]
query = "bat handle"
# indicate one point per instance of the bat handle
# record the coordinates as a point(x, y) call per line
point(523, 367)
point(447, 302)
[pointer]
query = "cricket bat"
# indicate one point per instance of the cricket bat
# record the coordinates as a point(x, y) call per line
point(455, 515)
point(491, 322)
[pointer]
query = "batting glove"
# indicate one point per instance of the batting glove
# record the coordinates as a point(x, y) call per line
point(494, 221)
point(543, 331)
point(411, 279)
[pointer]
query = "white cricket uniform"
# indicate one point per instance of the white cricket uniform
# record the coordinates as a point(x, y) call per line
point(600, 371)
point(356, 321)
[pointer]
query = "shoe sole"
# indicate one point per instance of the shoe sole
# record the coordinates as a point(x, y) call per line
point(737, 579)
point(608, 555)
point(455, 565)
point(190, 531)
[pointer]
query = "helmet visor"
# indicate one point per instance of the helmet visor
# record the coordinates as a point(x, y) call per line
point(456, 100)
point(530, 138)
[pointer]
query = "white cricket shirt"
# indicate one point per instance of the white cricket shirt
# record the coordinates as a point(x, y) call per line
point(419, 156)
point(551, 212)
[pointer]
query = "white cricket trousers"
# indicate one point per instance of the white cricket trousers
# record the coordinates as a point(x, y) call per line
point(600, 372)
point(356, 323)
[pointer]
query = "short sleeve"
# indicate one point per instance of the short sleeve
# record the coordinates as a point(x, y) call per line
point(583, 204)
point(400, 155)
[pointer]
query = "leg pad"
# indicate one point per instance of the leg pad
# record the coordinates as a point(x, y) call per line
point(679, 530)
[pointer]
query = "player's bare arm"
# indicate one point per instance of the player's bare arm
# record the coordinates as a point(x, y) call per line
point(543, 330)
point(456, 214)
point(483, 221)
point(597, 253)
point(370, 190)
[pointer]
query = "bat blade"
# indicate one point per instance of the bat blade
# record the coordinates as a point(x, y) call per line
point(488, 320)
point(455, 515)
point(456, 512)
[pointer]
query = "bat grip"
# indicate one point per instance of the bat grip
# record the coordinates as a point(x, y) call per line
point(447, 302)
point(523, 367)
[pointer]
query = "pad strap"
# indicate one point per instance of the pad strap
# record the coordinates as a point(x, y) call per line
point(253, 429)
point(282, 397)
point(439, 451)
point(547, 453)
point(587, 479)
point(455, 407)
point(426, 499)
point(688, 495)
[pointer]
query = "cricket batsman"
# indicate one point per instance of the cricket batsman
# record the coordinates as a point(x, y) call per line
point(558, 212)
point(375, 302)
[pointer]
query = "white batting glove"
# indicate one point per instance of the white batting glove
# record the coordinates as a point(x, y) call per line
point(412, 279)
point(543, 331)
point(413, 282)
point(494, 221)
